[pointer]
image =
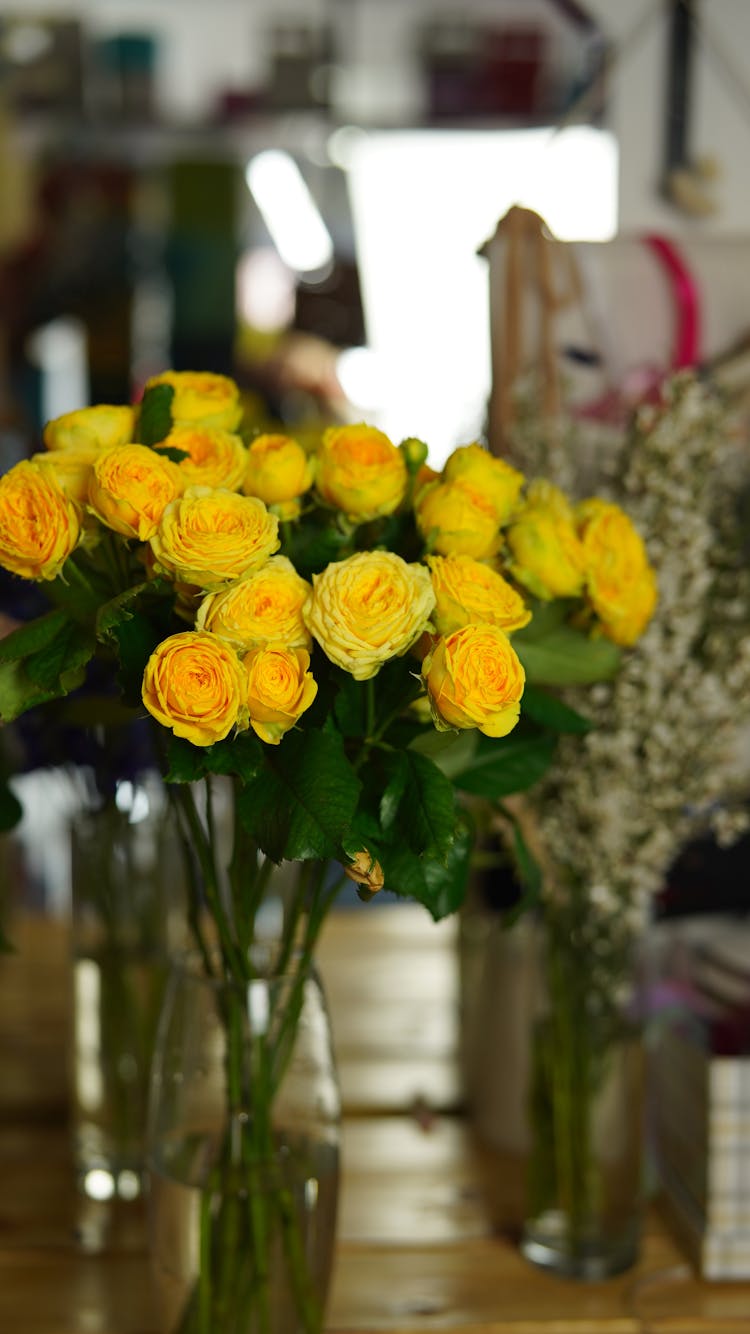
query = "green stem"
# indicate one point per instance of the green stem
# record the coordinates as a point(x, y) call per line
point(235, 965)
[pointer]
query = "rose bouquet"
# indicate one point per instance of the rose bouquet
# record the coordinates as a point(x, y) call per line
point(352, 646)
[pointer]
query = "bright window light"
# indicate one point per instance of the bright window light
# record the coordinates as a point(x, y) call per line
point(289, 211)
point(423, 202)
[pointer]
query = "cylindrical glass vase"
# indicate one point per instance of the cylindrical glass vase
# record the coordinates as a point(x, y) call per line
point(585, 1116)
point(127, 915)
point(243, 1154)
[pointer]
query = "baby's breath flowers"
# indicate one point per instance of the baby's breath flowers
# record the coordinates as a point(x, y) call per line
point(664, 759)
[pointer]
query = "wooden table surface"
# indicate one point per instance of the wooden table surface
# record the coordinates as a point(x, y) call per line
point(417, 1249)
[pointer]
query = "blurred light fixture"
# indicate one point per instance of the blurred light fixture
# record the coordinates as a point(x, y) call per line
point(265, 290)
point(290, 213)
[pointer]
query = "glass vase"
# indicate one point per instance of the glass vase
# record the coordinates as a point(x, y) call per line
point(127, 915)
point(585, 1109)
point(243, 1155)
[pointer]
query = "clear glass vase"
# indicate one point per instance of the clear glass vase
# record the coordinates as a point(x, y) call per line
point(127, 917)
point(243, 1156)
point(585, 1111)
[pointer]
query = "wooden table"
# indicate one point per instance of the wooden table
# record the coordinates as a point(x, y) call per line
point(416, 1249)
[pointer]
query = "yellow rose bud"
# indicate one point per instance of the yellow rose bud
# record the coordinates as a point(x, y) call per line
point(263, 608)
point(369, 608)
point(39, 525)
point(490, 477)
point(70, 469)
point(366, 871)
point(195, 685)
point(202, 398)
point(279, 689)
point(455, 520)
point(415, 453)
point(546, 555)
point(211, 538)
point(278, 470)
point(130, 487)
point(474, 678)
point(467, 591)
point(214, 457)
point(542, 493)
point(103, 426)
point(620, 583)
point(361, 472)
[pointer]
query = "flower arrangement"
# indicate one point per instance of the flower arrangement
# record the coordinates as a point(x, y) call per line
point(354, 642)
point(665, 758)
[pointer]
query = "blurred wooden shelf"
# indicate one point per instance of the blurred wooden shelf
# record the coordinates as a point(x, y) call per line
point(417, 1250)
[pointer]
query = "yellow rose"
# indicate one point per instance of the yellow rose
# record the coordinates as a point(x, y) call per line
point(211, 538)
point(130, 487)
point(546, 555)
point(474, 678)
point(265, 607)
point(39, 525)
point(195, 685)
point(278, 472)
point(620, 583)
point(279, 689)
point(361, 472)
point(70, 469)
point(455, 520)
point(490, 477)
point(214, 457)
point(369, 608)
point(202, 398)
point(103, 426)
point(467, 591)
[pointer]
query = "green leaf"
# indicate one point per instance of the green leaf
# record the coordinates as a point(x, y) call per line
point(17, 693)
point(437, 883)
point(147, 622)
point(397, 684)
point(566, 657)
point(349, 704)
point(428, 806)
point(171, 452)
point(505, 765)
point(549, 711)
point(546, 617)
point(393, 792)
point(301, 804)
point(241, 755)
point(113, 613)
point(451, 751)
point(185, 763)
point(59, 666)
point(32, 636)
point(311, 546)
point(155, 416)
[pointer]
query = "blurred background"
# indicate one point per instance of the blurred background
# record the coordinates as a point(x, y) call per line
point(296, 193)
